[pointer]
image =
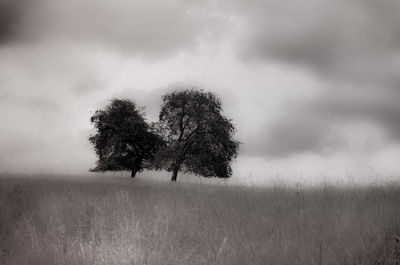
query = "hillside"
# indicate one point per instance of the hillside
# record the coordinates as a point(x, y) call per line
point(125, 221)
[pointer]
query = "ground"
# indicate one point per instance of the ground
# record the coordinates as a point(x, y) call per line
point(120, 220)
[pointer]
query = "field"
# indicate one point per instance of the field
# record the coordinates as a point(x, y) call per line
point(138, 221)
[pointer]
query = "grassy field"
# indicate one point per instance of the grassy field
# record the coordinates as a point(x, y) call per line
point(124, 221)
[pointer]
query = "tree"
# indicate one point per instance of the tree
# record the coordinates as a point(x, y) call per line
point(124, 141)
point(199, 139)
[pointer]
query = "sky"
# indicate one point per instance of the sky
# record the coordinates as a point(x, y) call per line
point(311, 85)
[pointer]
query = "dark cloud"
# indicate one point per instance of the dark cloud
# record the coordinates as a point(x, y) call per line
point(353, 49)
point(355, 41)
point(11, 15)
point(316, 125)
point(375, 105)
point(151, 28)
point(298, 130)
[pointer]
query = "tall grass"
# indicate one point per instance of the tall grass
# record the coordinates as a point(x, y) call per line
point(124, 221)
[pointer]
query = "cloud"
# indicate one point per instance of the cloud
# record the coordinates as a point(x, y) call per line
point(335, 119)
point(11, 15)
point(354, 41)
point(44, 101)
point(375, 105)
point(351, 47)
point(299, 129)
point(150, 28)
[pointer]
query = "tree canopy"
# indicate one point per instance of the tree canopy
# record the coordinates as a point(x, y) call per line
point(199, 139)
point(123, 139)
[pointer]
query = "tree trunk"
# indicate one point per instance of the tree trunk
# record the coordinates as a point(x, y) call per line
point(175, 173)
point(133, 173)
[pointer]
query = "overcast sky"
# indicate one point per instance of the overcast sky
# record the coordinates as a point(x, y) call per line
point(312, 85)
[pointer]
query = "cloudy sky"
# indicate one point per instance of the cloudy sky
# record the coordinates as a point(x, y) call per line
point(312, 85)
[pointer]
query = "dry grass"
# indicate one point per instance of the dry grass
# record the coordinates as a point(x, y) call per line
point(124, 221)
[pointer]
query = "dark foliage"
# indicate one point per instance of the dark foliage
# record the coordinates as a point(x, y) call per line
point(124, 141)
point(199, 138)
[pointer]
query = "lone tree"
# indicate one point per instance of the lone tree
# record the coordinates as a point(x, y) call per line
point(124, 141)
point(199, 139)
